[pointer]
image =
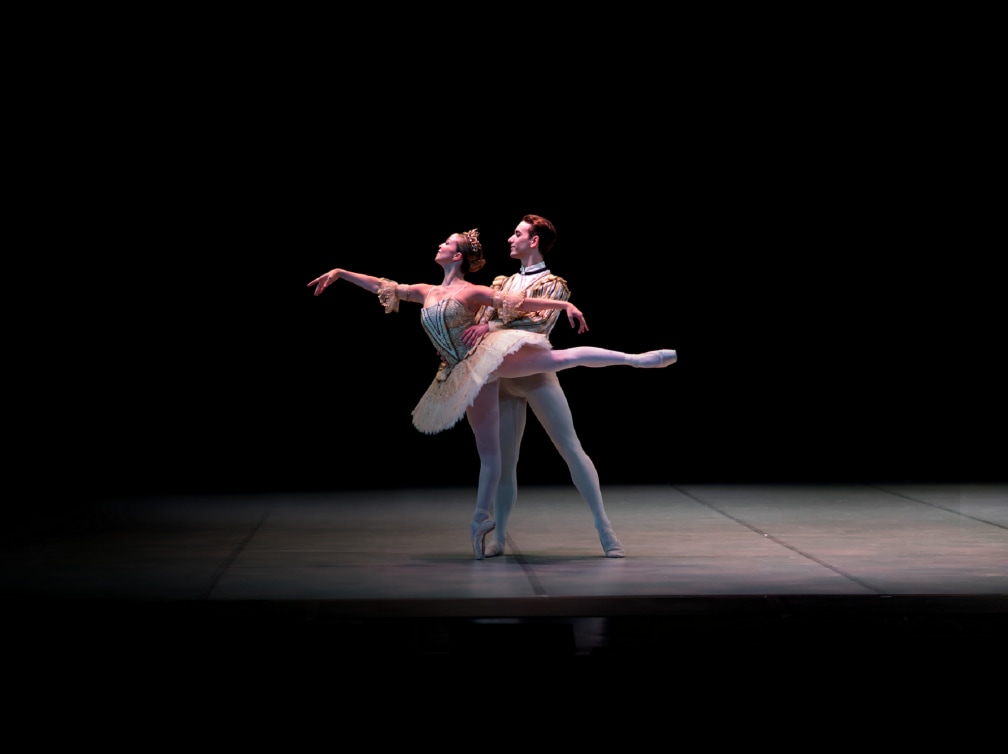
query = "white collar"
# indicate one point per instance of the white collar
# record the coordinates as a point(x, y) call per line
point(537, 267)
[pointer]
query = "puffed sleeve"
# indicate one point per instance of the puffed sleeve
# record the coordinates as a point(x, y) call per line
point(507, 304)
point(487, 313)
point(388, 295)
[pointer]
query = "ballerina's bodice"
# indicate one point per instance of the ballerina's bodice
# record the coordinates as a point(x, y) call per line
point(444, 323)
point(463, 371)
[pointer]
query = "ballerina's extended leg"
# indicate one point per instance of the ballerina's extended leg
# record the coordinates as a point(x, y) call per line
point(527, 361)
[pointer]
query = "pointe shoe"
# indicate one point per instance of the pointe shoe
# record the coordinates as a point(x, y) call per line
point(611, 545)
point(657, 359)
point(478, 532)
point(495, 548)
point(668, 356)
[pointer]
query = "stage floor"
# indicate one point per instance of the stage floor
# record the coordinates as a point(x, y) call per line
point(747, 571)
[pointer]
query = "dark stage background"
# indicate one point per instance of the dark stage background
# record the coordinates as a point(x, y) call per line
point(779, 236)
point(808, 344)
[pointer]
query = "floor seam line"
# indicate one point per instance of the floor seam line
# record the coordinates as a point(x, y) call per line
point(238, 549)
point(527, 568)
point(938, 507)
point(782, 543)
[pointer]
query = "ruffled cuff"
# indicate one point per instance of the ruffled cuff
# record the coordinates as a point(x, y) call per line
point(388, 295)
point(507, 304)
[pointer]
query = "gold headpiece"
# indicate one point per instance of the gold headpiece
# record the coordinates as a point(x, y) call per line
point(472, 236)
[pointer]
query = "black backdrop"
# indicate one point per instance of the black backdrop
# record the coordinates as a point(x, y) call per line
point(805, 343)
point(781, 239)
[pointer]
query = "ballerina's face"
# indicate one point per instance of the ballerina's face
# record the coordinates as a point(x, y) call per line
point(447, 250)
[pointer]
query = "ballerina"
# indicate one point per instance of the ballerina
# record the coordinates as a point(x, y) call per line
point(458, 389)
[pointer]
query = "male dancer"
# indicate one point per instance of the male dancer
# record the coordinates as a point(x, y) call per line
point(531, 241)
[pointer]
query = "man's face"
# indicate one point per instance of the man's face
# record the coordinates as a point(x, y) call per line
point(521, 241)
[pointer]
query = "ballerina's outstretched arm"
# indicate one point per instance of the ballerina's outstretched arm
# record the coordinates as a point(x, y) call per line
point(390, 293)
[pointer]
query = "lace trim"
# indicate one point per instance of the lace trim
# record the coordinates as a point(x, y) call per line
point(486, 313)
point(507, 304)
point(388, 294)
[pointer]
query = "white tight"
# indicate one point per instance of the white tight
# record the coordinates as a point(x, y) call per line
point(528, 361)
point(544, 395)
point(485, 419)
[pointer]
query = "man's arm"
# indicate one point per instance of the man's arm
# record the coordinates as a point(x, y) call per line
point(542, 321)
point(548, 286)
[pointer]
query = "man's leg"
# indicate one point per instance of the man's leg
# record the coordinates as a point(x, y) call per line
point(549, 403)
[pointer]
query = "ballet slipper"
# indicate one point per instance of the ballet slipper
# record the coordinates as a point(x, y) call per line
point(611, 545)
point(495, 548)
point(477, 532)
point(655, 359)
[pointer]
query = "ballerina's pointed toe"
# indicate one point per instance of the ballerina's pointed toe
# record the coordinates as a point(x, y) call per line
point(478, 531)
point(667, 357)
point(655, 359)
